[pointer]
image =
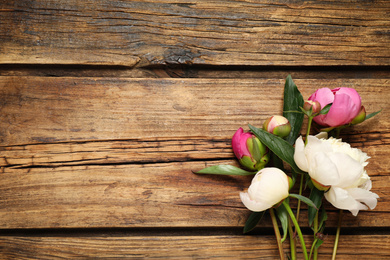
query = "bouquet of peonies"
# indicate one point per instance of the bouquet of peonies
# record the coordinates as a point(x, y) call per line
point(330, 168)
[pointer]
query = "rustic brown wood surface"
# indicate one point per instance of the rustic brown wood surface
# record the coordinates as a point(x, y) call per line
point(129, 33)
point(180, 247)
point(106, 108)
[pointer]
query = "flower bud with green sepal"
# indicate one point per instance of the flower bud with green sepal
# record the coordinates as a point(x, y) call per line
point(311, 108)
point(277, 125)
point(251, 153)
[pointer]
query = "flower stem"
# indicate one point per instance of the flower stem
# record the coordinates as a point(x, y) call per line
point(315, 252)
point(297, 228)
point(308, 128)
point(300, 193)
point(277, 233)
point(336, 241)
point(312, 247)
point(292, 241)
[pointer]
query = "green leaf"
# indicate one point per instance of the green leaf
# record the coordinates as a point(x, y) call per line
point(283, 218)
point(323, 218)
point(303, 199)
point(278, 146)
point(372, 114)
point(225, 170)
point(253, 220)
point(316, 197)
point(292, 101)
point(277, 162)
point(326, 109)
point(318, 243)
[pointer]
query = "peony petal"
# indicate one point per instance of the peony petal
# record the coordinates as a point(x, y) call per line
point(349, 169)
point(243, 144)
point(252, 204)
point(341, 199)
point(356, 99)
point(367, 197)
point(323, 95)
point(323, 170)
point(342, 111)
point(270, 186)
point(236, 142)
point(322, 135)
point(315, 145)
point(299, 155)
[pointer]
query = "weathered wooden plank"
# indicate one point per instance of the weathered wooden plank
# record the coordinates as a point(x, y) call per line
point(183, 247)
point(129, 33)
point(97, 152)
point(47, 110)
point(158, 150)
point(141, 195)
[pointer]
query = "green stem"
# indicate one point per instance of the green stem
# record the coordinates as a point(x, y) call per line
point(297, 228)
point(312, 247)
point(336, 241)
point(315, 226)
point(277, 233)
point(308, 128)
point(292, 241)
point(300, 193)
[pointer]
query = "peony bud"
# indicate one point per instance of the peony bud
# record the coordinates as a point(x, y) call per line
point(251, 153)
point(312, 107)
point(277, 125)
point(269, 187)
point(360, 117)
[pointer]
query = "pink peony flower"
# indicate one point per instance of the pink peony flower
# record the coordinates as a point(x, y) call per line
point(346, 106)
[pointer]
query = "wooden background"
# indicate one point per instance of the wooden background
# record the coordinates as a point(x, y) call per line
point(106, 108)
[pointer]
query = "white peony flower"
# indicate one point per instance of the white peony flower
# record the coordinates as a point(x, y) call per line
point(336, 165)
point(269, 187)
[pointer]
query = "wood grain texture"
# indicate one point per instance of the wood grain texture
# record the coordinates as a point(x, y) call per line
point(47, 110)
point(145, 195)
point(182, 247)
point(103, 152)
point(129, 33)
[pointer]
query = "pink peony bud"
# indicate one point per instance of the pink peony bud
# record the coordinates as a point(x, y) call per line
point(346, 104)
point(315, 107)
point(250, 152)
point(277, 125)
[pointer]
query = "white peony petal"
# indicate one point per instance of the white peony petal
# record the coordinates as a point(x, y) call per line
point(268, 187)
point(323, 170)
point(363, 182)
point(322, 135)
point(349, 169)
point(299, 155)
point(252, 204)
point(315, 145)
point(367, 197)
point(341, 199)
point(367, 185)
